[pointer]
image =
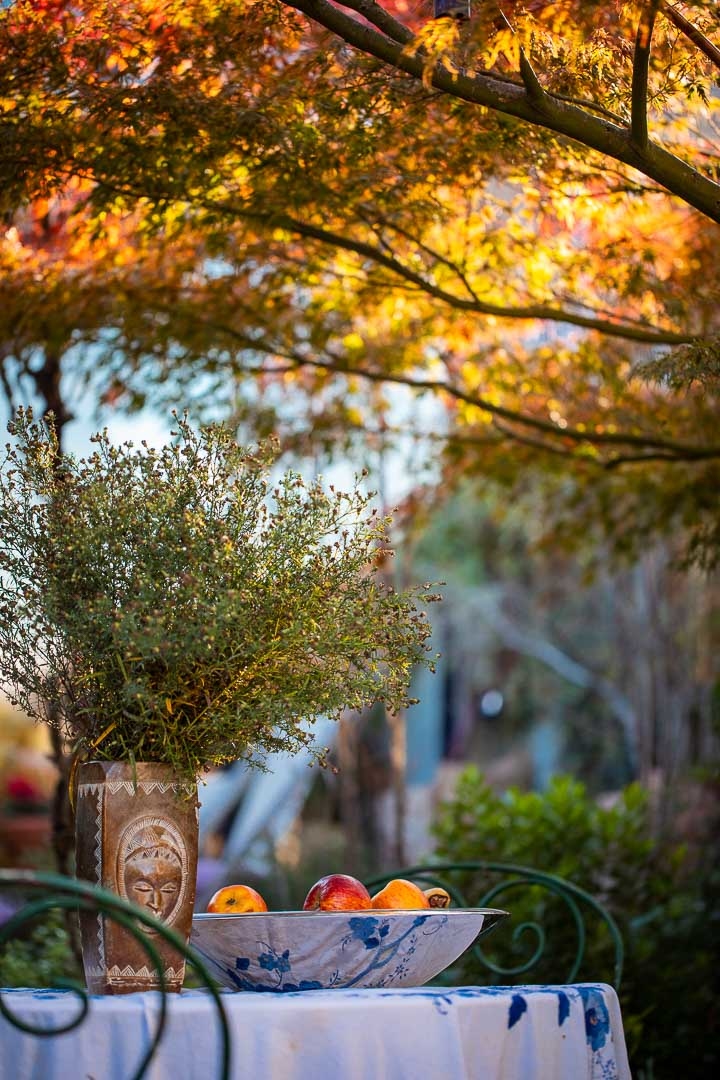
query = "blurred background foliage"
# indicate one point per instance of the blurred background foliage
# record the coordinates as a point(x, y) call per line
point(613, 659)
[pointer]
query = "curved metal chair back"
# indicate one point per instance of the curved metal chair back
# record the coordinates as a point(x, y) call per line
point(579, 905)
point(56, 892)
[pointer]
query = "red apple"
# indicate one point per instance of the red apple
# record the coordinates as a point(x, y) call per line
point(338, 892)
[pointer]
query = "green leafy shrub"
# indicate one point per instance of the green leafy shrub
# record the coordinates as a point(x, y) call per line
point(176, 605)
point(42, 957)
point(667, 907)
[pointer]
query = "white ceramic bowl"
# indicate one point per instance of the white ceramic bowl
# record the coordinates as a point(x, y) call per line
point(316, 950)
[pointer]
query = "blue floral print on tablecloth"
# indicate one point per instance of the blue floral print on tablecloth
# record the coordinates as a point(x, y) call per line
point(597, 1018)
point(563, 1007)
point(518, 1006)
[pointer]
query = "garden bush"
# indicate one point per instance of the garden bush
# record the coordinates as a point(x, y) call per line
point(664, 899)
point(40, 957)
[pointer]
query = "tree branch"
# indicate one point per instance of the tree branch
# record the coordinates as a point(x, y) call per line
point(681, 451)
point(535, 444)
point(544, 447)
point(504, 431)
point(639, 459)
point(626, 331)
point(527, 72)
point(690, 31)
point(629, 330)
point(379, 17)
point(675, 175)
point(443, 260)
point(641, 66)
point(7, 388)
point(532, 84)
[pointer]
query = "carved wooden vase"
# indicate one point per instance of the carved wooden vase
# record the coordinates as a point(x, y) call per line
point(136, 834)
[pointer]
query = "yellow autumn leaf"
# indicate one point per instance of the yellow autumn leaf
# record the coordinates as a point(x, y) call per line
point(353, 341)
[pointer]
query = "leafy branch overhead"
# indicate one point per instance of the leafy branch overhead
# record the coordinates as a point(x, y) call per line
point(524, 96)
point(318, 216)
point(175, 605)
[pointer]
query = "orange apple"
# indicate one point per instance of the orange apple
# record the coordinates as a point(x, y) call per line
point(337, 892)
point(400, 893)
point(236, 900)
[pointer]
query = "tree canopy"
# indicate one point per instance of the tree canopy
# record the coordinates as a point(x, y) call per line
point(292, 207)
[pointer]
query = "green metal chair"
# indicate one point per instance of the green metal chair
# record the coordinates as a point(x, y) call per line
point(56, 892)
point(579, 907)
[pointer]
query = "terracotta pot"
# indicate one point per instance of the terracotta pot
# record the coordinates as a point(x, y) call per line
point(137, 835)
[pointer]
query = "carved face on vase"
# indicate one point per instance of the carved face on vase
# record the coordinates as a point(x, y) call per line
point(151, 867)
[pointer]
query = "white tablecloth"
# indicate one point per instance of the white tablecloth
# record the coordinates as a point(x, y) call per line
point(424, 1033)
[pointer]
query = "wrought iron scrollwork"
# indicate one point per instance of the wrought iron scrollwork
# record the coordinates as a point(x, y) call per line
point(62, 893)
point(577, 901)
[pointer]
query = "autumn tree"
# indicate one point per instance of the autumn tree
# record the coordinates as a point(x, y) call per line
point(310, 205)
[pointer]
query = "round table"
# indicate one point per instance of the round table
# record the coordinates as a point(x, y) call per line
point(466, 1033)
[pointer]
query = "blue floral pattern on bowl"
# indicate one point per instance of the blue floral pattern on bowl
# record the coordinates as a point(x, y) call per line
point(279, 952)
